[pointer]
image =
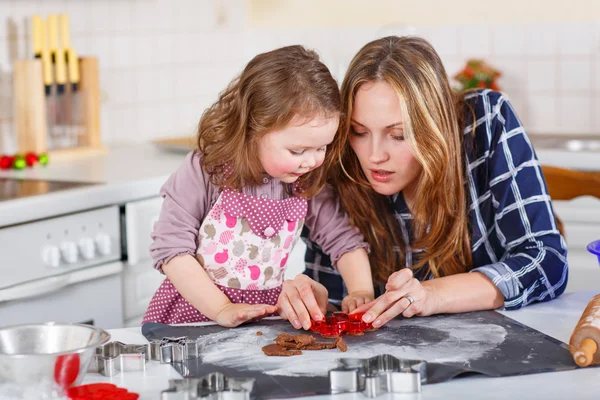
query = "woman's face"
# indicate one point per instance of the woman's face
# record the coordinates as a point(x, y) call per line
point(377, 138)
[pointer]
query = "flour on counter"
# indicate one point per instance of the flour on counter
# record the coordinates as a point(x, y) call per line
point(445, 341)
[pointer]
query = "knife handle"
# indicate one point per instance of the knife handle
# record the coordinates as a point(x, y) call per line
point(65, 31)
point(46, 60)
point(73, 65)
point(37, 35)
point(53, 36)
point(61, 68)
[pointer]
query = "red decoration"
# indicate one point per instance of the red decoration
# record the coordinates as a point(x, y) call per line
point(6, 162)
point(341, 323)
point(97, 391)
point(31, 158)
point(17, 161)
point(66, 369)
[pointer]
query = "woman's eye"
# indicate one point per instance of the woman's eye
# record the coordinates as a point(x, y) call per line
point(297, 153)
point(324, 148)
point(399, 137)
point(355, 133)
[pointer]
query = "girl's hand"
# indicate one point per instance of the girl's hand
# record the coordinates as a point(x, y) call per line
point(236, 314)
point(404, 295)
point(302, 299)
point(356, 299)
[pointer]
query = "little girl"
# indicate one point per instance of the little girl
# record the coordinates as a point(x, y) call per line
point(234, 210)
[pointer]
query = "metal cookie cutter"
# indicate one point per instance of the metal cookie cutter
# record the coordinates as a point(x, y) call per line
point(377, 375)
point(115, 357)
point(170, 350)
point(214, 386)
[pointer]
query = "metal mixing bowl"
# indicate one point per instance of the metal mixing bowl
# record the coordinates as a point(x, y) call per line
point(51, 352)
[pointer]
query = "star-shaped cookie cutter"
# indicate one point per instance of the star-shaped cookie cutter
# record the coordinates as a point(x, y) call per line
point(114, 357)
point(169, 350)
point(214, 386)
point(377, 375)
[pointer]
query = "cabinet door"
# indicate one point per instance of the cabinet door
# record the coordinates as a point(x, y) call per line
point(584, 271)
point(140, 217)
point(140, 279)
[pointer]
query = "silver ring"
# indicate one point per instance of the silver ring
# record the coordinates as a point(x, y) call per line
point(409, 298)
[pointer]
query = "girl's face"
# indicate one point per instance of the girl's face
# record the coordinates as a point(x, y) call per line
point(377, 138)
point(298, 148)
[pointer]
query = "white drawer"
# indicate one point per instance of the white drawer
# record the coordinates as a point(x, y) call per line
point(584, 272)
point(585, 209)
point(140, 281)
point(140, 217)
point(579, 235)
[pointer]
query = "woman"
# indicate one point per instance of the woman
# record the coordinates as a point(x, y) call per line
point(446, 188)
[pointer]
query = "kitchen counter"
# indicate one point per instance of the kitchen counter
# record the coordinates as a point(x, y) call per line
point(124, 174)
point(556, 318)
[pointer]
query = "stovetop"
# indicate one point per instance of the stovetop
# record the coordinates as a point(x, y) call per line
point(14, 188)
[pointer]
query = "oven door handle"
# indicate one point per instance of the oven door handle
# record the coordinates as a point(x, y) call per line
point(52, 284)
point(35, 288)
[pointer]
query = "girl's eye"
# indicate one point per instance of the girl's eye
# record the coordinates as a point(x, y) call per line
point(297, 153)
point(398, 138)
point(324, 148)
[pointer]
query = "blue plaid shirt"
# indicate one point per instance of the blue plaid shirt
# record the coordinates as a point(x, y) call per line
point(515, 239)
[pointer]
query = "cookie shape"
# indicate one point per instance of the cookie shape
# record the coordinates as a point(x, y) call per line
point(341, 324)
point(287, 345)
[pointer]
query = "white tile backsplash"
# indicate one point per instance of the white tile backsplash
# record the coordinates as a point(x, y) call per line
point(514, 73)
point(143, 52)
point(541, 116)
point(542, 75)
point(163, 62)
point(80, 16)
point(575, 75)
point(445, 40)
point(596, 74)
point(576, 39)
point(574, 114)
point(508, 40)
point(541, 39)
point(475, 41)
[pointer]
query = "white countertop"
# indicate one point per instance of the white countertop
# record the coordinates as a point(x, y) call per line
point(556, 318)
point(125, 173)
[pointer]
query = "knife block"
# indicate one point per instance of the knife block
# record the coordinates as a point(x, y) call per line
point(31, 106)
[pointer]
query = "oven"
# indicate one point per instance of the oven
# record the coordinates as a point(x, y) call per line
point(67, 268)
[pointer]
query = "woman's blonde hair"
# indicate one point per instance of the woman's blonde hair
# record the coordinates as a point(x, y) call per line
point(272, 89)
point(433, 126)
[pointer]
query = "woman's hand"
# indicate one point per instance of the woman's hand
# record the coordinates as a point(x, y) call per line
point(236, 314)
point(302, 299)
point(355, 300)
point(404, 295)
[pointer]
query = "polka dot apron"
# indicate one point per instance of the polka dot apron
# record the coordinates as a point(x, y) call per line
point(243, 244)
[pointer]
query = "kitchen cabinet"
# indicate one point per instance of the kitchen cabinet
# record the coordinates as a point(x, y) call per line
point(581, 218)
point(140, 279)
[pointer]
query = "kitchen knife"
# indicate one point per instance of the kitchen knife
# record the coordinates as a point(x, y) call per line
point(72, 63)
point(40, 40)
point(58, 59)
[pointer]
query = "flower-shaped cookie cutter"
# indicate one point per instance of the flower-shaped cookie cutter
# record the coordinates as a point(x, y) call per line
point(114, 357)
point(169, 350)
point(377, 375)
point(214, 386)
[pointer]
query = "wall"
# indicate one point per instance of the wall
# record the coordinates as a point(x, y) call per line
point(162, 62)
point(318, 13)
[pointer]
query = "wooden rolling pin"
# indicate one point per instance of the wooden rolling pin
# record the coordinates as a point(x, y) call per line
point(585, 340)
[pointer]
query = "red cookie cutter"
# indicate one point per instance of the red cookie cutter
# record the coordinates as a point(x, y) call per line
point(341, 324)
point(97, 391)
